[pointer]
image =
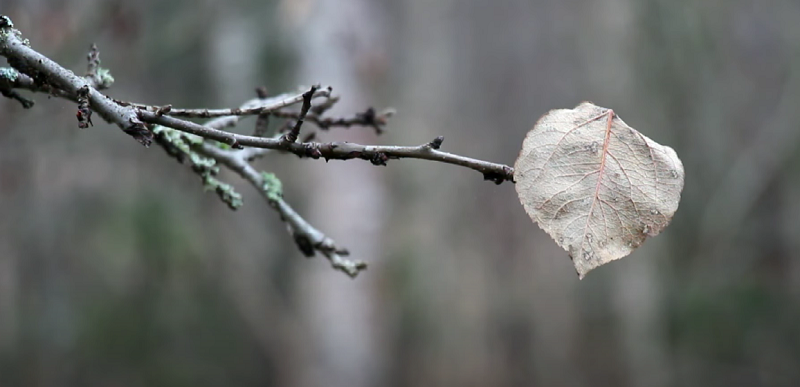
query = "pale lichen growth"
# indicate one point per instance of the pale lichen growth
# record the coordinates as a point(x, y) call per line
point(9, 74)
point(272, 186)
point(225, 191)
point(104, 78)
point(204, 166)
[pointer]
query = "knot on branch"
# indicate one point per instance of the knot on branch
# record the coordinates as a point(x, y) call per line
point(139, 131)
point(84, 114)
point(436, 143)
point(234, 143)
point(379, 158)
point(311, 149)
point(499, 177)
point(370, 118)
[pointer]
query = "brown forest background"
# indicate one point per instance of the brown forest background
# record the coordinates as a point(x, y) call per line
point(117, 270)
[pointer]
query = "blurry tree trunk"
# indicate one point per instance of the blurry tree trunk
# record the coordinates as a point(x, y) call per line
point(346, 200)
point(233, 56)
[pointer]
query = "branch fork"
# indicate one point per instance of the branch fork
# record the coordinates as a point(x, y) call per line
point(207, 146)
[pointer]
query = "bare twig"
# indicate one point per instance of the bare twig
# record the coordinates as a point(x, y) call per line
point(292, 135)
point(368, 118)
point(308, 238)
point(377, 154)
point(255, 108)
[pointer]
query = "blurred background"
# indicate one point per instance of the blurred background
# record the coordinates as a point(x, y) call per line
point(116, 269)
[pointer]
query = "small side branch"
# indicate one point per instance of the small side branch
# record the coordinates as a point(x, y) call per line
point(377, 154)
point(250, 108)
point(308, 238)
point(292, 135)
point(188, 141)
point(368, 118)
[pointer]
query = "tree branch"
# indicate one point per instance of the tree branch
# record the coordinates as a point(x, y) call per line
point(308, 238)
point(184, 139)
point(250, 108)
point(44, 71)
point(377, 154)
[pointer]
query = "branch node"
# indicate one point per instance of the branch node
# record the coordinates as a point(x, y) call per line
point(312, 150)
point(140, 132)
point(379, 158)
point(262, 92)
point(509, 173)
point(163, 110)
point(234, 143)
point(436, 143)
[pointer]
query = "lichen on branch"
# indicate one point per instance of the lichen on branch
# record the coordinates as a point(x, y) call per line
point(206, 147)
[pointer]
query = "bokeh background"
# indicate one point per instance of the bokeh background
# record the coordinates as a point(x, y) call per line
point(116, 269)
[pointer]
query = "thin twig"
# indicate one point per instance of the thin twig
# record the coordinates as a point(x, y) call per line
point(259, 108)
point(292, 135)
point(368, 118)
point(377, 154)
point(302, 231)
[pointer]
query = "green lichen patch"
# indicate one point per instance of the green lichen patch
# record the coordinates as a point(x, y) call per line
point(104, 78)
point(179, 145)
point(272, 186)
point(8, 74)
point(225, 191)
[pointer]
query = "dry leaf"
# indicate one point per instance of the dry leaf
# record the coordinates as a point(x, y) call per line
point(595, 184)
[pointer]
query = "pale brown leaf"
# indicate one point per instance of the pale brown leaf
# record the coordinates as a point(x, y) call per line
point(595, 184)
